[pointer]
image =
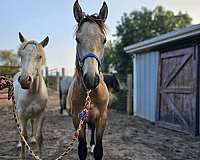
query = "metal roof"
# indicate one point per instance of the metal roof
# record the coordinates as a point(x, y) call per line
point(162, 39)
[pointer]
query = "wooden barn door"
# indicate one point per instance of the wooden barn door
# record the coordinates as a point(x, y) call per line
point(177, 90)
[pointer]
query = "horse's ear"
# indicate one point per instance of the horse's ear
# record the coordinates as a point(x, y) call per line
point(45, 42)
point(103, 12)
point(78, 13)
point(21, 37)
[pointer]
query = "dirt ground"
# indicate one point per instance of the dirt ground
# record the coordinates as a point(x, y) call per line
point(126, 137)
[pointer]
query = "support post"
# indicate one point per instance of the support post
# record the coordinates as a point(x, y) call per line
point(63, 72)
point(57, 80)
point(129, 107)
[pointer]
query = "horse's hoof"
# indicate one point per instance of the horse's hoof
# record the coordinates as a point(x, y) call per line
point(19, 145)
point(92, 148)
point(65, 113)
point(61, 111)
point(33, 140)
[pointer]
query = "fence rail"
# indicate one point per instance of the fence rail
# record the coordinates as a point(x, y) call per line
point(52, 77)
point(4, 94)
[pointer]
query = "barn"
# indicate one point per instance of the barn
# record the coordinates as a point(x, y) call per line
point(166, 79)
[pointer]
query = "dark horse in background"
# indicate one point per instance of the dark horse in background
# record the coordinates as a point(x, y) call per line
point(64, 85)
point(111, 81)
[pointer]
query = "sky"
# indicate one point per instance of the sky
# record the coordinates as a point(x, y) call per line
point(37, 19)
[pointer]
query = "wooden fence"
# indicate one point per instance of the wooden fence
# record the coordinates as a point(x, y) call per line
point(52, 77)
point(129, 104)
point(4, 94)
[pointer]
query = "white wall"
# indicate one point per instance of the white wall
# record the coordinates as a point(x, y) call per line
point(145, 69)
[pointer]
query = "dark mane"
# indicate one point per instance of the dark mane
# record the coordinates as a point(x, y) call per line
point(30, 42)
point(94, 18)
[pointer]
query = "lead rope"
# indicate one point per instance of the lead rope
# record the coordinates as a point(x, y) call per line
point(83, 116)
point(9, 85)
point(6, 83)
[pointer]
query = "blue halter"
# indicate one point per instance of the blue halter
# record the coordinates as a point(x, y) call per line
point(89, 55)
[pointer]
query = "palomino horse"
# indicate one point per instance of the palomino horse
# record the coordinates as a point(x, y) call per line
point(111, 81)
point(30, 90)
point(90, 37)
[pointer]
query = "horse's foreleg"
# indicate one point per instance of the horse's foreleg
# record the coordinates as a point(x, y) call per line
point(92, 143)
point(98, 149)
point(24, 133)
point(61, 102)
point(64, 101)
point(32, 128)
point(39, 136)
point(33, 132)
point(82, 147)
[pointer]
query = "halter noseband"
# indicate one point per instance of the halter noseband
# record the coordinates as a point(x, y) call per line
point(95, 19)
point(82, 59)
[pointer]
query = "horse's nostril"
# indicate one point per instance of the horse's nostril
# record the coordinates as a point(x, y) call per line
point(29, 78)
point(87, 80)
point(91, 82)
point(19, 78)
point(97, 79)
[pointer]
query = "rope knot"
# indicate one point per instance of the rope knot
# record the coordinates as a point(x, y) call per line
point(7, 83)
point(84, 114)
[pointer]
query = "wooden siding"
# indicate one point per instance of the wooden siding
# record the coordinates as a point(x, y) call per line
point(145, 85)
point(177, 90)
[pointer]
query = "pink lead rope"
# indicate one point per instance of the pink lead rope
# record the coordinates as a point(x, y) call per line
point(7, 83)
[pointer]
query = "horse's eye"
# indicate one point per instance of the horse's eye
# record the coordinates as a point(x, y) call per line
point(104, 41)
point(77, 40)
point(39, 57)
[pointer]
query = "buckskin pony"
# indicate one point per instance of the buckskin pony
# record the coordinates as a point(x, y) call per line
point(90, 38)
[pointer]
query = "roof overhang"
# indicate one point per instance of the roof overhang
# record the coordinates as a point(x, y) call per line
point(148, 44)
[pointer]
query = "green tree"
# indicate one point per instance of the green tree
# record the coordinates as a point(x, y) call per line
point(138, 26)
point(107, 65)
point(8, 58)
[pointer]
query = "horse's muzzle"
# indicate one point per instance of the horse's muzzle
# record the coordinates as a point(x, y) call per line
point(25, 81)
point(91, 82)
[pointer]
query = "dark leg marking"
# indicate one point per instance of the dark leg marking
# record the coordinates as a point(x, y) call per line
point(82, 149)
point(98, 150)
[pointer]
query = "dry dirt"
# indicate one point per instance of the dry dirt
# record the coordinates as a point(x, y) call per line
point(126, 137)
